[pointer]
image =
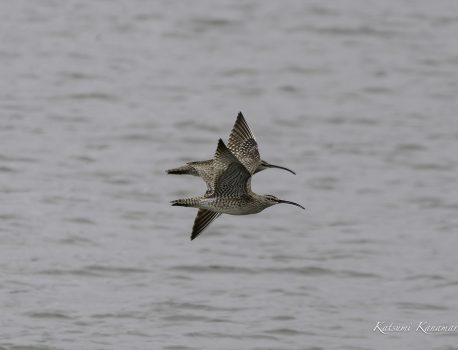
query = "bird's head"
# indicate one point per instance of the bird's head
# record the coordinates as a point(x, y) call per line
point(264, 165)
point(270, 200)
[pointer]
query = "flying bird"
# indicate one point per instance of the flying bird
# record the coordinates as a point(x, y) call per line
point(230, 188)
point(243, 146)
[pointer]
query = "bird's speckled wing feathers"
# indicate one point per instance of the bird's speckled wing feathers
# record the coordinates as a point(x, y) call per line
point(243, 145)
point(203, 219)
point(231, 177)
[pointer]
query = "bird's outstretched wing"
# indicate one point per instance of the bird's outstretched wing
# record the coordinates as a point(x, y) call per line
point(203, 219)
point(231, 178)
point(243, 145)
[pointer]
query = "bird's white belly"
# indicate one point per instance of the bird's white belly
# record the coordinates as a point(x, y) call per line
point(241, 211)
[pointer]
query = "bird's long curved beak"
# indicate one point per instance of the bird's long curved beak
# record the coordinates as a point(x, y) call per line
point(288, 202)
point(267, 165)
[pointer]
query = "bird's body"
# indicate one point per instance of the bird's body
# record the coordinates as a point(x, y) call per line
point(244, 205)
point(243, 146)
point(230, 192)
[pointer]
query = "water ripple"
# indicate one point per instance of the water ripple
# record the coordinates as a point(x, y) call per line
point(95, 271)
point(49, 314)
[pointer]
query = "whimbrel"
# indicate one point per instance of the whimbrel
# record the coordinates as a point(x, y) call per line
point(242, 144)
point(231, 192)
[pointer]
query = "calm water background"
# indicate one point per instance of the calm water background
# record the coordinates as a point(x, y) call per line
point(98, 98)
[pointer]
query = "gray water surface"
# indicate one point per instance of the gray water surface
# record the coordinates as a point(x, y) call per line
point(98, 98)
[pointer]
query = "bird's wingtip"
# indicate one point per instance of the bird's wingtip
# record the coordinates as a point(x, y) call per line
point(221, 146)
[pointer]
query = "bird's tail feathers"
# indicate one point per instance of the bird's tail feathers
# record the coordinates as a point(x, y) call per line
point(182, 170)
point(185, 202)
